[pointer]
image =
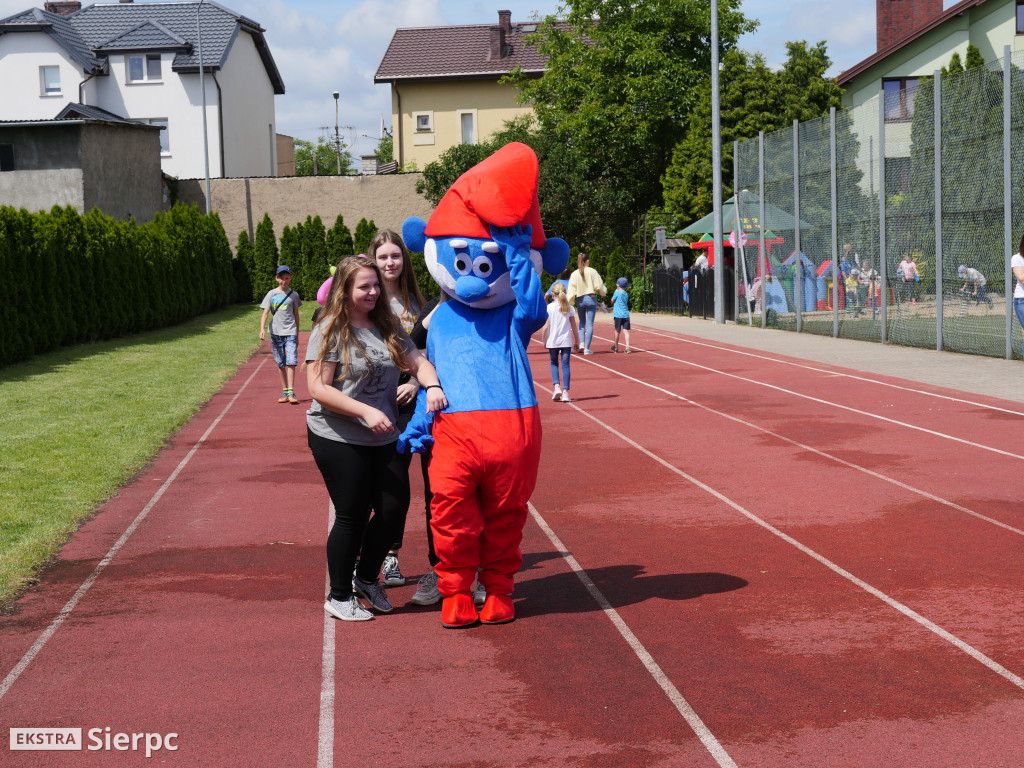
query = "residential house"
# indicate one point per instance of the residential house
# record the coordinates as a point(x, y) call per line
point(140, 61)
point(445, 87)
point(917, 37)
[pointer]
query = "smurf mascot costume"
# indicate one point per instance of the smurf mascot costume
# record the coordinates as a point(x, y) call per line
point(485, 247)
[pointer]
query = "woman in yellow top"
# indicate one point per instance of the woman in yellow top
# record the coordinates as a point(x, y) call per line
point(585, 284)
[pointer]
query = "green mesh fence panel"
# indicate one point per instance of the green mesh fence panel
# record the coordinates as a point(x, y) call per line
point(816, 218)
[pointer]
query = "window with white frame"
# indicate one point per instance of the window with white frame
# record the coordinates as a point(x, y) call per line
point(49, 81)
point(141, 69)
point(467, 126)
point(165, 141)
point(423, 121)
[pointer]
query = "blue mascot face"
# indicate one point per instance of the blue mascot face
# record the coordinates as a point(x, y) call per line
point(472, 271)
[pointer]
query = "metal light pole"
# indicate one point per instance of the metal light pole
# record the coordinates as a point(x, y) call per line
point(716, 171)
point(337, 138)
point(202, 88)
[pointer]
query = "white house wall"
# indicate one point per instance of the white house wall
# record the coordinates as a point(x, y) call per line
point(21, 56)
point(249, 124)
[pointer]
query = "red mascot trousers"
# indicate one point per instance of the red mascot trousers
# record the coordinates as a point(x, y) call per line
point(483, 469)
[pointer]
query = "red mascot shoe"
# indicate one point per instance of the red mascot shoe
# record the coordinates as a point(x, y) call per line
point(497, 610)
point(458, 611)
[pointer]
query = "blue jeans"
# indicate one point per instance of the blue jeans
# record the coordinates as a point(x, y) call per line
point(586, 310)
point(285, 349)
point(1018, 308)
point(565, 353)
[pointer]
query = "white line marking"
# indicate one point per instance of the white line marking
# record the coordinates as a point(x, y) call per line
point(828, 403)
point(817, 452)
point(681, 704)
point(69, 606)
point(325, 739)
point(845, 374)
point(931, 626)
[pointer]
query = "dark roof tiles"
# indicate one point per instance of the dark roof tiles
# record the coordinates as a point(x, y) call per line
point(149, 26)
point(457, 51)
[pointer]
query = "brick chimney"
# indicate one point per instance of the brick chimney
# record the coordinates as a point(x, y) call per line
point(497, 49)
point(63, 7)
point(895, 19)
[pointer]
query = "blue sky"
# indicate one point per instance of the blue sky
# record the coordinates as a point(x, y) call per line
point(322, 46)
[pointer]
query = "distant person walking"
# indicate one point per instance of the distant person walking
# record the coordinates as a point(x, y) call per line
point(282, 304)
point(560, 336)
point(908, 277)
point(620, 313)
point(585, 285)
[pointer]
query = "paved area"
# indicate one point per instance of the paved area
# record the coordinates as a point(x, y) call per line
point(969, 373)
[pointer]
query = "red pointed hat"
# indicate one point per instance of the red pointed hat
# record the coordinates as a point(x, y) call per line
point(501, 190)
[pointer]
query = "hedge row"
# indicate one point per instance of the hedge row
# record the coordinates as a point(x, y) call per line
point(77, 278)
point(307, 248)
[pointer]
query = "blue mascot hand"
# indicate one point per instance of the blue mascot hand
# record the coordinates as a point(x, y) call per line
point(417, 437)
point(514, 241)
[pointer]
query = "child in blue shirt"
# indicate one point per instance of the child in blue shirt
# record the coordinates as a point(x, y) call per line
point(620, 312)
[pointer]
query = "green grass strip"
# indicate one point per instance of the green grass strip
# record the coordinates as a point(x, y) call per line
point(78, 423)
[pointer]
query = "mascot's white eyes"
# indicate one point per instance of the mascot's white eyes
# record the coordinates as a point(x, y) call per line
point(462, 265)
point(482, 266)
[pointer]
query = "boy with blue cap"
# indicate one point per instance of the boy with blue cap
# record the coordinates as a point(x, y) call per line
point(620, 312)
point(282, 305)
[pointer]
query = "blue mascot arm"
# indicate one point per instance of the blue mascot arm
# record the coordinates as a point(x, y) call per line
point(417, 437)
point(531, 311)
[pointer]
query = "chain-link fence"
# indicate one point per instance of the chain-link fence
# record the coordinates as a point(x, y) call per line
point(865, 244)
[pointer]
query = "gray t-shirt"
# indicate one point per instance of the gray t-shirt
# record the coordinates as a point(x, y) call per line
point(282, 323)
point(377, 389)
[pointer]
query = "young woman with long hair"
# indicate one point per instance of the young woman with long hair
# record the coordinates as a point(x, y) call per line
point(585, 284)
point(356, 352)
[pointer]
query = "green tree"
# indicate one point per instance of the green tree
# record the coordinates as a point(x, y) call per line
point(321, 158)
point(339, 241)
point(246, 256)
point(621, 80)
point(385, 148)
point(752, 98)
point(265, 257)
point(365, 232)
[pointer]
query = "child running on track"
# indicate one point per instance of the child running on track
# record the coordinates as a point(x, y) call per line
point(558, 333)
point(620, 312)
point(356, 352)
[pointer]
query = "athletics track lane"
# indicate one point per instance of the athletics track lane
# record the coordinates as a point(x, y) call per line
point(884, 539)
point(766, 644)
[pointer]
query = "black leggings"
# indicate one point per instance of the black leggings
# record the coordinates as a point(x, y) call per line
point(360, 478)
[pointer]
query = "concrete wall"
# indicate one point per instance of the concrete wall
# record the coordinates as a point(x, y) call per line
point(388, 200)
point(115, 168)
point(121, 171)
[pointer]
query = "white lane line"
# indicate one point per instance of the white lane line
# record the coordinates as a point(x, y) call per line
point(931, 626)
point(69, 606)
point(829, 403)
point(681, 704)
point(746, 353)
point(325, 739)
point(831, 457)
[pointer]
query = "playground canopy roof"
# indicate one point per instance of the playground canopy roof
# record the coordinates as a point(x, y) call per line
point(750, 208)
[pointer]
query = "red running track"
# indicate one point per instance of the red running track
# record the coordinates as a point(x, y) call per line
point(734, 559)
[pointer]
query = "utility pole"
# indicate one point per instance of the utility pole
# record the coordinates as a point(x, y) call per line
point(337, 138)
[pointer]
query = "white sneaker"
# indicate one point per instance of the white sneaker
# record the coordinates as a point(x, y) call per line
point(426, 592)
point(565, 397)
point(588, 351)
point(348, 610)
point(557, 393)
point(390, 573)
